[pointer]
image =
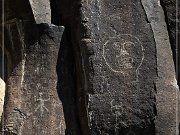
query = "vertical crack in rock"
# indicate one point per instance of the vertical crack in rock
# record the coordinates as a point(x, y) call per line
point(66, 66)
point(55, 16)
point(23, 53)
point(172, 14)
point(169, 7)
point(66, 84)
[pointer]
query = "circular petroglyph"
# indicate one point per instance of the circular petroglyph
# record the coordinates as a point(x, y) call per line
point(123, 52)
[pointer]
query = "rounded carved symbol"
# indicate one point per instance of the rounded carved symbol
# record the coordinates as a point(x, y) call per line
point(123, 52)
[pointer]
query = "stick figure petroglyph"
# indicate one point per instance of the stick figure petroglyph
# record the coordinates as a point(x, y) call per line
point(41, 105)
point(116, 110)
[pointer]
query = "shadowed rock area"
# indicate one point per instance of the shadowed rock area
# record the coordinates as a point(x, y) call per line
point(18, 9)
point(172, 16)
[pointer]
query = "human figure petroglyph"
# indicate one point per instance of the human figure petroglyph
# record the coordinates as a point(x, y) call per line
point(116, 110)
point(41, 105)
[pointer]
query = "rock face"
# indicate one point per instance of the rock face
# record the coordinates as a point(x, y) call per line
point(32, 103)
point(119, 59)
point(2, 94)
point(172, 17)
point(114, 73)
point(166, 85)
point(41, 10)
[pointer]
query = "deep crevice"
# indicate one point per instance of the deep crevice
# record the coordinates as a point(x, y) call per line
point(169, 7)
point(3, 66)
point(55, 17)
point(66, 86)
point(169, 28)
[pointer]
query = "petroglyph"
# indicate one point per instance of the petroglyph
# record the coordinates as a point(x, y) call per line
point(38, 86)
point(37, 46)
point(105, 83)
point(114, 16)
point(39, 69)
point(41, 107)
point(123, 53)
point(116, 110)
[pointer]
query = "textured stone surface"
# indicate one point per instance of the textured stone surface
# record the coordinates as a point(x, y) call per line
point(2, 94)
point(166, 85)
point(32, 104)
point(119, 60)
point(115, 68)
point(41, 10)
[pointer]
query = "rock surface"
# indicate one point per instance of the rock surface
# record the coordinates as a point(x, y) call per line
point(32, 104)
point(41, 10)
point(119, 59)
point(2, 94)
point(166, 85)
point(115, 67)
